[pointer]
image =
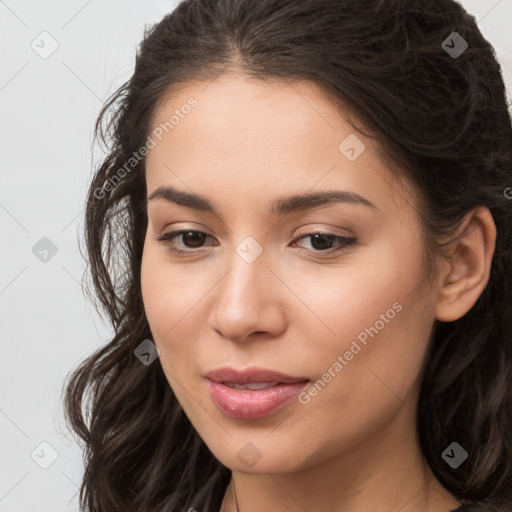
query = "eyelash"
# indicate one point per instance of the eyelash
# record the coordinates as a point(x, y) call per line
point(346, 242)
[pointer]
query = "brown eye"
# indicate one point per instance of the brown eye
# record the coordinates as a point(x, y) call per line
point(322, 242)
point(326, 243)
point(191, 239)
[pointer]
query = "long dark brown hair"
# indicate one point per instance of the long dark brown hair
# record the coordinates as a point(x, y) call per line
point(441, 120)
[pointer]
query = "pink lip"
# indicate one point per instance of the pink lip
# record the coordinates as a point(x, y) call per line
point(252, 404)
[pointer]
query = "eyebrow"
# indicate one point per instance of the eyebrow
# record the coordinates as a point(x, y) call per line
point(280, 206)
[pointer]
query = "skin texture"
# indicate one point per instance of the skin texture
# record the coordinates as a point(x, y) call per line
point(353, 446)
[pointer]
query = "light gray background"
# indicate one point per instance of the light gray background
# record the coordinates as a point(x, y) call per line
point(48, 109)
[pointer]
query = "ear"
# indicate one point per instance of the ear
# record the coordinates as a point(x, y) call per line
point(466, 272)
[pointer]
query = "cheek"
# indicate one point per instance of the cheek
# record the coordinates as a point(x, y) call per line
point(168, 301)
point(377, 298)
point(352, 297)
point(381, 321)
point(154, 292)
point(163, 300)
point(174, 298)
point(169, 291)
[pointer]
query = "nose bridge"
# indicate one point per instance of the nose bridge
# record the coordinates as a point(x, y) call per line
point(248, 261)
point(247, 298)
point(243, 285)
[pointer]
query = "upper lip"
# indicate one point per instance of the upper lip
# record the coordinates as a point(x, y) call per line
point(250, 375)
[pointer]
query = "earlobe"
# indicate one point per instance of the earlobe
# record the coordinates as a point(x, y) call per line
point(468, 269)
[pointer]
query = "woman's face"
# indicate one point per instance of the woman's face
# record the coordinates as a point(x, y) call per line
point(352, 318)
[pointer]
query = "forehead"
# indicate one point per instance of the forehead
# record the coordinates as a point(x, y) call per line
point(277, 112)
point(256, 137)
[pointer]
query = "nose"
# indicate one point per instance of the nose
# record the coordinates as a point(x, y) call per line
point(249, 302)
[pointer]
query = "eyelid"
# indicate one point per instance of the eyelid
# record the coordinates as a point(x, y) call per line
point(325, 231)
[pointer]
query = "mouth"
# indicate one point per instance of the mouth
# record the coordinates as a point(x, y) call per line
point(252, 393)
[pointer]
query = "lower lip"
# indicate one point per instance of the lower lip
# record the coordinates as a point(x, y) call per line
point(249, 404)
